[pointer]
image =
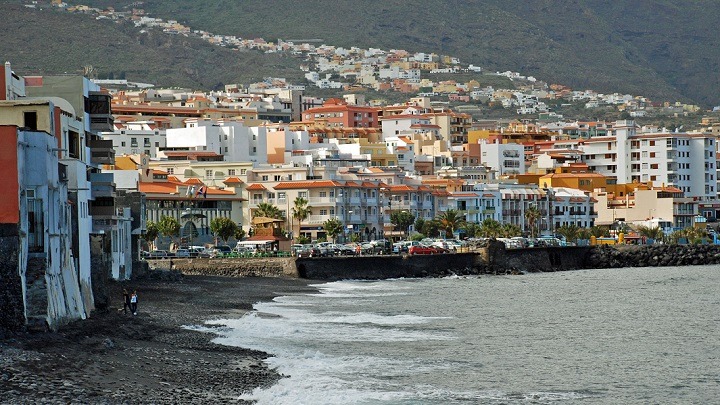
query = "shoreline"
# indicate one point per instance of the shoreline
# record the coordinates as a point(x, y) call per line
point(114, 357)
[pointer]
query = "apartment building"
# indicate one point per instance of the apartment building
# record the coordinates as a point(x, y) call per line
point(683, 160)
point(338, 113)
point(136, 137)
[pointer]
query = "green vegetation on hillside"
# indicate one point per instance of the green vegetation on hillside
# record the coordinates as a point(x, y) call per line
point(53, 42)
point(664, 49)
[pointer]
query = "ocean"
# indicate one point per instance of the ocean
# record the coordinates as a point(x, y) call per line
point(611, 336)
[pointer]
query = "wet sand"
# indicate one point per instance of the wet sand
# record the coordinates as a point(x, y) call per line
point(149, 358)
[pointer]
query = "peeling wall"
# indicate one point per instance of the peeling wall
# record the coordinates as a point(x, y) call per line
point(51, 280)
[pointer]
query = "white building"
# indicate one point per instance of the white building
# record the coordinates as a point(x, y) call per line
point(136, 137)
point(683, 160)
point(232, 139)
point(503, 158)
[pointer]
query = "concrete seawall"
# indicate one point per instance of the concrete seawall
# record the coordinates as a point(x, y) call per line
point(494, 259)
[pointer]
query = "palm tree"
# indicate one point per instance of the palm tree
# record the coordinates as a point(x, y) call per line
point(509, 230)
point(569, 232)
point(471, 229)
point(267, 210)
point(532, 214)
point(451, 220)
point(650, 232)
point(490, 228)
point(301, 211)
point(599, 231)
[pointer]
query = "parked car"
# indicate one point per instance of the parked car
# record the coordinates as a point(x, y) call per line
point(421, 250)
point(326, 249)
point(182, 253)
point(308, 251)
point(158, 254)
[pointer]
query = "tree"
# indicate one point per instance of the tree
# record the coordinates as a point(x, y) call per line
point(224, 228)
point(301, 211)
point(532, 215)
point(419, 224)
point(168, 227)
point(239, 233)
point(402, 219)
point(151, 233)
point(431, 228)
point(490, 228)
point(569, 232)
point(450, 220)
point(599, 231)
point(333, 227)
point(509, 230)
point(267, 210)
point(471, 229)
point(650, 232)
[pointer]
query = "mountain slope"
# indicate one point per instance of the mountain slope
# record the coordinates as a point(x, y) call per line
point(664, 49)
point(49, 42)
point(659, 48)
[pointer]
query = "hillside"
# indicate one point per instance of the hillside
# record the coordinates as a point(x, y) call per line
point(662, 48)
point(49, 42)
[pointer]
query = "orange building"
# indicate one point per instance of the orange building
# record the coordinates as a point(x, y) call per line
point(338, 113)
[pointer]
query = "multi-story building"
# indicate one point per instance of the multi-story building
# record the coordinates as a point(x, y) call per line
point(338, 113)
point(683, 160)
point(136, 137)
point(503, 158)
point(358, 205)
point(51, 168)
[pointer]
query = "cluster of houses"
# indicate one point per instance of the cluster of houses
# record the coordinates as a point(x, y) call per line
point(87, 168)
point(354, 68)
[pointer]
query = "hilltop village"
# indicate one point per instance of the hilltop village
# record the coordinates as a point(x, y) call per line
point(103, 169)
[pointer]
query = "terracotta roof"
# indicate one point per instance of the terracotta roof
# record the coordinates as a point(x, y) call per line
point(232, 180)
point(488, 195)
point(174, 179)
point(463, 195)
point(255, 187)
point(193, 181)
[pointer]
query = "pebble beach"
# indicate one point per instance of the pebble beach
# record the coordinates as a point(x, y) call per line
point(115, 357)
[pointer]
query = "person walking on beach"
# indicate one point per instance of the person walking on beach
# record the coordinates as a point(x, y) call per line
point(133, 302)
point(126, 300)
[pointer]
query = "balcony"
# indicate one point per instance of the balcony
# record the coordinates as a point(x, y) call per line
point(317, 219)
point(488, 210)
point(315, 201)
point(101, 152)
point(102, 185)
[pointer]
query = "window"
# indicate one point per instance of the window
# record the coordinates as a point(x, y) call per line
point(122, 144)
point(323, 212)
point(243, 172)
point(36, 226)
point(171, 170)
point(323, 194)
point(30, 120)
point(254, 149)
point(133, 142)
point(265, 177)
point(276, 177)
point(231, 172)
point(146, 142)
point(303, 194)
point(652, 143)
point(208, 174)
point(157, 144)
